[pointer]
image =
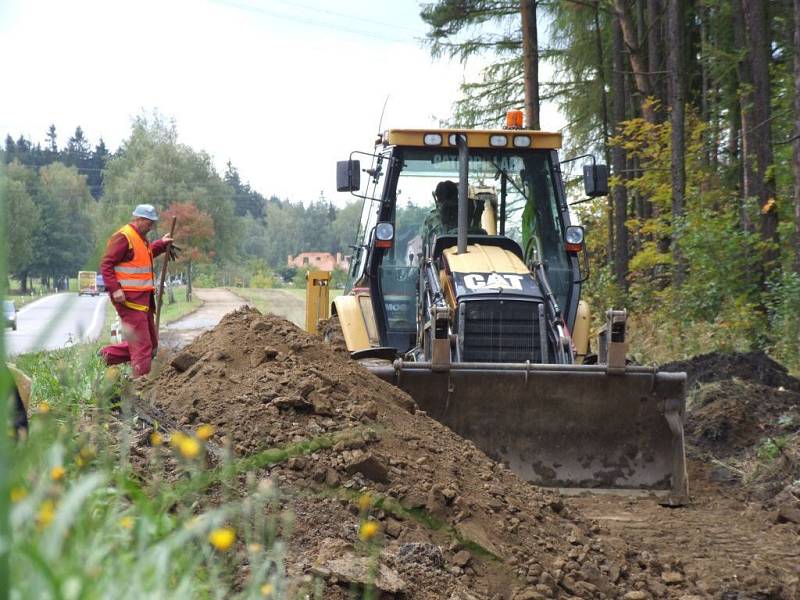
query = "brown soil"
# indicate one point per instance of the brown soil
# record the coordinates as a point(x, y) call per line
point(734, 539)
point(455, 525)
point(749, 366)
point(730, 418)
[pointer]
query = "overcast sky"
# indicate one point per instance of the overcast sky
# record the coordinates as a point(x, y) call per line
point(281, 89)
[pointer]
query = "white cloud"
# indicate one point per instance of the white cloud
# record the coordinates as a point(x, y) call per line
point(282, 92)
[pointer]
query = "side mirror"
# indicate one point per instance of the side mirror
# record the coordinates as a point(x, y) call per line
point(348, 176)
point(595, 180)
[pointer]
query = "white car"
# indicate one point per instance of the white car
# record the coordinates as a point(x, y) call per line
point(10, 314)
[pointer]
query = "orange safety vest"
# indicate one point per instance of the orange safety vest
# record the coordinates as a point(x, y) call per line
point(136, 275)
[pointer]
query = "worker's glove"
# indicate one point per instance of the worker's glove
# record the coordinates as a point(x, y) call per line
point(174, 251)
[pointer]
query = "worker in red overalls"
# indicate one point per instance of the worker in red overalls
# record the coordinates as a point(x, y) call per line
point(127, 269)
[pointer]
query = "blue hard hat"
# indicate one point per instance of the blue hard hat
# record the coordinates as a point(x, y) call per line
point(147, 211)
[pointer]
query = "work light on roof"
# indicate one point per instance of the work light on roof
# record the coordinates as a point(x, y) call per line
point(522, 141)
point(432, 139)
point(453, 138)
point(498, 140)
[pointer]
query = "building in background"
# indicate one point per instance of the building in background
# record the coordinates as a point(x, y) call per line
point(321, 261)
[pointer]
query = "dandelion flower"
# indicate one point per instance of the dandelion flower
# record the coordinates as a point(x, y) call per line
point(204, 432)
point(57, 473)
point(18, 494)
point(126, 522)
point(43, 408)
point(47, 511)
point(266, 590)
point(365, 501)
point(175, 438)
point(189, 447)
point(156, 439)
point(222, 538)
point(368, 530)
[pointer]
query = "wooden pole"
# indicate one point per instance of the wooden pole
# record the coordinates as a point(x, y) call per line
point(164, 276)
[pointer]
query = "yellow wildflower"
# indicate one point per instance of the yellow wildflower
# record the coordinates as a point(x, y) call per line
point(18, 494)
point(126, 522)
point(43, 408)
point(222, 538)
point(156, 439)
point(365, 501)
point(175, 438)
point(189, 447)
point(57, 473)
point(368, 530)
point(47, 511)
point(204, 432)
point(266, 590)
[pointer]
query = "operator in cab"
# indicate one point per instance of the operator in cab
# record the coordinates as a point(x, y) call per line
point(443, 218)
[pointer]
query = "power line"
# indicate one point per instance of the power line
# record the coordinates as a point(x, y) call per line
point(306, 21)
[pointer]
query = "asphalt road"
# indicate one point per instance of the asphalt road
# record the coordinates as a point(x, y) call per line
point(56, 321)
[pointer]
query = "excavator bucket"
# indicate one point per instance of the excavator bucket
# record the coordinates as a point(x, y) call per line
point(563, 426)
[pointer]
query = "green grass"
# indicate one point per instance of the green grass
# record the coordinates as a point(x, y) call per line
point(87, 524)
point(181, 307)
point(289, 303)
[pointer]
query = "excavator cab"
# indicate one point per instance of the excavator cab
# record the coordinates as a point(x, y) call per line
point(483, 323)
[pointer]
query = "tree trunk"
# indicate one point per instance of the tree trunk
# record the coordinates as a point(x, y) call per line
point(655, 53)
point(796, 144)
point(23, 282)
point(759, 45)
point(623, 13)
point(618, 160)
point(745, 113)
point(677, 116)
point(530, 53)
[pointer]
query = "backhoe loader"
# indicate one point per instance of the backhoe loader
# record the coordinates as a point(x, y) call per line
point(470, 301)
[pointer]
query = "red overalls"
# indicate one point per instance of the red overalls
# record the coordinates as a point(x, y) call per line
point(128, 265)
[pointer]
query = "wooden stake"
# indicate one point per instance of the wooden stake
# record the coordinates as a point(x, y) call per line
point(164, 276)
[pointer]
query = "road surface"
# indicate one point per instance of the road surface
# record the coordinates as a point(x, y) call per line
point(217, 303)
point(56, 321)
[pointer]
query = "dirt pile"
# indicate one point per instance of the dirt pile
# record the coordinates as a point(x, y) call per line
point(744, 419)
point(755, 367)
point(454, 524)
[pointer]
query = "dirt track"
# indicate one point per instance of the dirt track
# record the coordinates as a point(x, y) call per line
point(217, 303)
point(728, 546)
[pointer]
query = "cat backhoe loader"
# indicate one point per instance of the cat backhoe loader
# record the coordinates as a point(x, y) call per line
point(470, 301)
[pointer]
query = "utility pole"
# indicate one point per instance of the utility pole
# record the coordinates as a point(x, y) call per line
point(530, 62)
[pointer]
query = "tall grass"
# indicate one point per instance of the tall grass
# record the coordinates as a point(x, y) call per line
point(87, 521)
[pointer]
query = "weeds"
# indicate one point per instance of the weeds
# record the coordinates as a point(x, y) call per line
point(85, 525)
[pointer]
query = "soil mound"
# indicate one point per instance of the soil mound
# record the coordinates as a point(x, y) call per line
point(719, 366)
point(454, 524)
point(730, 418)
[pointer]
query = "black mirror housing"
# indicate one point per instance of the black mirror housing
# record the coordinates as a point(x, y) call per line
point(595, 180)
point(348, 175)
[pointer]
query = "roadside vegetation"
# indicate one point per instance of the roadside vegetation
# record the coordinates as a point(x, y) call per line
point(88, 522)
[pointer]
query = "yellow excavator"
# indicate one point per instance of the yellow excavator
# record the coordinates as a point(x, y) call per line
point(464, 290)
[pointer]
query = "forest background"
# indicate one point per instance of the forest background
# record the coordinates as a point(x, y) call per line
point(694, 104)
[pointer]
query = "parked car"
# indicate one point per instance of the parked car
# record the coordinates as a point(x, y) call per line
point(10, 314)
point(101, 285)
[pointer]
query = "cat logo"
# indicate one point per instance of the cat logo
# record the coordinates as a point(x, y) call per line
point(493, 281)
